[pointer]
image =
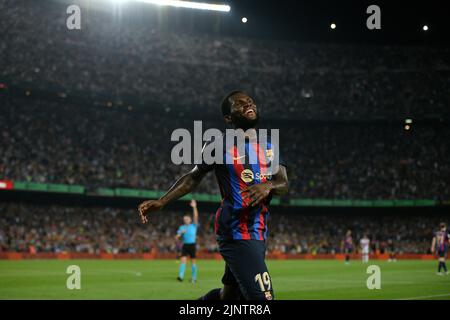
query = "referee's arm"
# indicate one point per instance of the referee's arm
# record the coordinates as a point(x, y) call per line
point(194, 211)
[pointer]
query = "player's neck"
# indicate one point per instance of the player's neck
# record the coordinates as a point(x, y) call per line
point(248, 132)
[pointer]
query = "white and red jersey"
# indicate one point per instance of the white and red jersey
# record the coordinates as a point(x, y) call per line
point(364, 242)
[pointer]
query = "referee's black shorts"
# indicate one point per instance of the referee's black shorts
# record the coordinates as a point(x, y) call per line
point(188, 249)
point(245, 267)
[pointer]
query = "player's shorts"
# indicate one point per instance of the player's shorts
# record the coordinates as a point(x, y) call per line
point(245, 267)
point(348, 250)
point(441, 253)
point(365, 251)
point(189, 250)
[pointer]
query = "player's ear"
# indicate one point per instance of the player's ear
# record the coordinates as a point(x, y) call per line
point(227, 119)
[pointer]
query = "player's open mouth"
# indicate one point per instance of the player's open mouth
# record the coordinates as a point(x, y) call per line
point(250, 112)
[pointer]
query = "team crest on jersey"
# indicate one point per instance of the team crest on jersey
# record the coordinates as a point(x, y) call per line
point(269, 154)
point(247, 175)
point(268, 295)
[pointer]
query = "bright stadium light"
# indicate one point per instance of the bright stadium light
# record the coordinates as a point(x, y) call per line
point(189, 4)
point(244, 20)
point(333, 26)
point(425, 28)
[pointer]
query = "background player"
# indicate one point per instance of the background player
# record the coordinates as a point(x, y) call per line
point(439, 244)
point(348, 246)
point(365, 242)
point(188, 235)
point(391, 251)
point(246, 189)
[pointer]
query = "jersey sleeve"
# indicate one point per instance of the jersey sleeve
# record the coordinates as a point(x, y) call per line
point(203, 166)
point(180, 229)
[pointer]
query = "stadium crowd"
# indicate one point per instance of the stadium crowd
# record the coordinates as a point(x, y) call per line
point(144, 71)
point(56, 142)
point(33, 228)
point(190, 72)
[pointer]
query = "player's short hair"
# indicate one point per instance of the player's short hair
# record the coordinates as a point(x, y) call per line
point(442, 225)
point(226, 104)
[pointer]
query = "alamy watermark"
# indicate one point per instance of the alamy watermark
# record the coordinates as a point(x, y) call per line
point(374, 20)
point(374, 280)
point(208, 147)
point(73, 21)
point(74, 279)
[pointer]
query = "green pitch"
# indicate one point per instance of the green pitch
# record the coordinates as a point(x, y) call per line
point(155, 279)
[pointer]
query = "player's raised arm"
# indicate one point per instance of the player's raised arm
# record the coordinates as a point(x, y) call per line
point(193, 204)
point(279, 185)
point(181, 187)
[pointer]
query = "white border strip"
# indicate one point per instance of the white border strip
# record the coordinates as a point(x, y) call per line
point(426, 297)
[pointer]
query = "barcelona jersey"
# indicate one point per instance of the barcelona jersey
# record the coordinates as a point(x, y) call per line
point(442, 238)
point(236, 219)
point(348, 242)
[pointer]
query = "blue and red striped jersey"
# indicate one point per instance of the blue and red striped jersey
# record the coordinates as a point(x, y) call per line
point(348, 242)
point(442, 238)
point(236, 219)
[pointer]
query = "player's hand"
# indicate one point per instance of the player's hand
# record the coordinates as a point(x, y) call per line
point(149, 206)
point(256, 193)
point(193, 203)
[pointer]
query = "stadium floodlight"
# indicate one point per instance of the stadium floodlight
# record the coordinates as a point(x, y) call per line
point(189, 4)
point(244, 20)
point(425, 28)
point(333, 26)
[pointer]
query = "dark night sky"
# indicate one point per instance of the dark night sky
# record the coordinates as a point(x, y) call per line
point(309, 20)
